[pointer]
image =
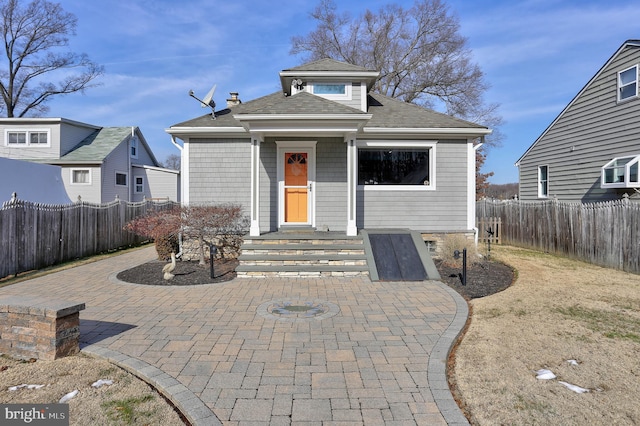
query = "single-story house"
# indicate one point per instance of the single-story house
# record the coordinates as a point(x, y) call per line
point(326, 153)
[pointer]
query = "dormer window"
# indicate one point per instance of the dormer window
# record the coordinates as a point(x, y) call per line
point(621, 172)
point(331, 90)
point(628, 83)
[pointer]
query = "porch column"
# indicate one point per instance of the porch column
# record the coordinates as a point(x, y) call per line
point(254, 229)
point(352, 180)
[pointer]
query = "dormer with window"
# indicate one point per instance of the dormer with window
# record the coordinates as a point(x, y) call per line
point(336, 81)
point(621, 172)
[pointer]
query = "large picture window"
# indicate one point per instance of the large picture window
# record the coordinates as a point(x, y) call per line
point(394, 166)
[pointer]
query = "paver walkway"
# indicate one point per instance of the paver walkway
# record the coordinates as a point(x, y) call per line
point(375, 356)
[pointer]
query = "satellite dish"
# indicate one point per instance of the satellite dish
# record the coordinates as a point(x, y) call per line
point(208, 99)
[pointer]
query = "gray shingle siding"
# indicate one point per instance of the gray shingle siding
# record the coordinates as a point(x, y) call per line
point(331, 184)
point(220, 171)
point(594, 129)
point(268, 187)
point(444, 209)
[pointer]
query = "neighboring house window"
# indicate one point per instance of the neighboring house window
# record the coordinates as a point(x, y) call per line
point(621, 172)
point(543, 181)
point(134, 148)
point(139, 185)
point(334, 91)
point(628, 83)
point(81, 176)
point(27, 137)
point(395, 166)
point(121, 179)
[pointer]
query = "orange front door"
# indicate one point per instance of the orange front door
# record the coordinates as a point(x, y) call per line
point(296, 187)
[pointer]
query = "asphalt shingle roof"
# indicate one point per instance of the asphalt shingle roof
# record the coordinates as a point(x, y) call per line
point(328, 64)
point(386, 112)
point(98, 145)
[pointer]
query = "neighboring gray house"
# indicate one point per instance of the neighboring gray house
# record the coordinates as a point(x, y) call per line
point(591, 151)
point(97, 163)
point(325, 153)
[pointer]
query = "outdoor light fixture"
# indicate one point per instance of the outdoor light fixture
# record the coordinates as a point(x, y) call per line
point(456, 255)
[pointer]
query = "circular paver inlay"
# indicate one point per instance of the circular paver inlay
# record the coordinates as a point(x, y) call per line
point(291, 310)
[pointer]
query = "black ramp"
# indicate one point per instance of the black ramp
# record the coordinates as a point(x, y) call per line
point(386, 263)
point(396, 257)
point(409, 261)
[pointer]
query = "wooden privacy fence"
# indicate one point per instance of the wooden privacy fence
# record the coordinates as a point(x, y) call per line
point(34, 236)
point(489, 230)
point(606, 234)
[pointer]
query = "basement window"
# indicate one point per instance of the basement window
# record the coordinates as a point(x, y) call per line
point(621, 172)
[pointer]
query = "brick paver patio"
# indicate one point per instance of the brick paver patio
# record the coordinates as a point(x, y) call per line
point(378, 359)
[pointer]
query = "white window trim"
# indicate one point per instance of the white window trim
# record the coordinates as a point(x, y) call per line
point(431, 145)
point(627, 174)
point(539, 180)
point(79, 183)
point(115, 178)
point(133, 143)
point(347, 96)
point(27, 133)
point(135, 184)
point(620, 86)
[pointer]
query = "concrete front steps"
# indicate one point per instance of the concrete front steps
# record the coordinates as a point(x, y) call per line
point(302, 254)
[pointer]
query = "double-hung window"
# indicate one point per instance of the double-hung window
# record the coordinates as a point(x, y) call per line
point(139, 185)
point(388, 165)
point(543, 181)
point(628, 83)
point(81, 176)
point(26, 138)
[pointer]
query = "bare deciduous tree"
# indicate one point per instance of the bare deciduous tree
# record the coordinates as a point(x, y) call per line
point(172, 162)
point(33, 36)
point(419, 52)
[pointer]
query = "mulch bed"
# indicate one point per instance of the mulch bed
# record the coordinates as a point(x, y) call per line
point(483, 278)
point(186, 273)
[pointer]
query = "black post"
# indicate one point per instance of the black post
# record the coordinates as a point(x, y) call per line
point(212, 256)
point(464, 266)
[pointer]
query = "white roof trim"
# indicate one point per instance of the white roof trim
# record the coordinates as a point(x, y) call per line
point(324, 117)
point(160, 169)
point(429, 130)
point(635, 43)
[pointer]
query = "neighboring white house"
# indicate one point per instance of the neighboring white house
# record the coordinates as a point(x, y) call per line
point(98, 163)
point(591, 151)
point(325, 153)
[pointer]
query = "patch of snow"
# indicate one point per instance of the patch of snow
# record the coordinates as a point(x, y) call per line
point(575, 388)
point(545, 374)
point(101, 382)
point(15, 388)
point(68, 396)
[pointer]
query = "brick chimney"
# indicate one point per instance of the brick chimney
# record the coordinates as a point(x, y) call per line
point(233, 100)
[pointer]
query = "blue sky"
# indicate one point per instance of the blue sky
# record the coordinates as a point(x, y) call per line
point(535, 54)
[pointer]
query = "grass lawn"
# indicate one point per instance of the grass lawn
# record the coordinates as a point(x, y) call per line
point(557, 310)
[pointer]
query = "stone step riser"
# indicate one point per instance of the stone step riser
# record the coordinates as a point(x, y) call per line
point(304, 262)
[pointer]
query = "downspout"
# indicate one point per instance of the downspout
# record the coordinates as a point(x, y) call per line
point(130, 173)
point(177, 145)
point(475, 150)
